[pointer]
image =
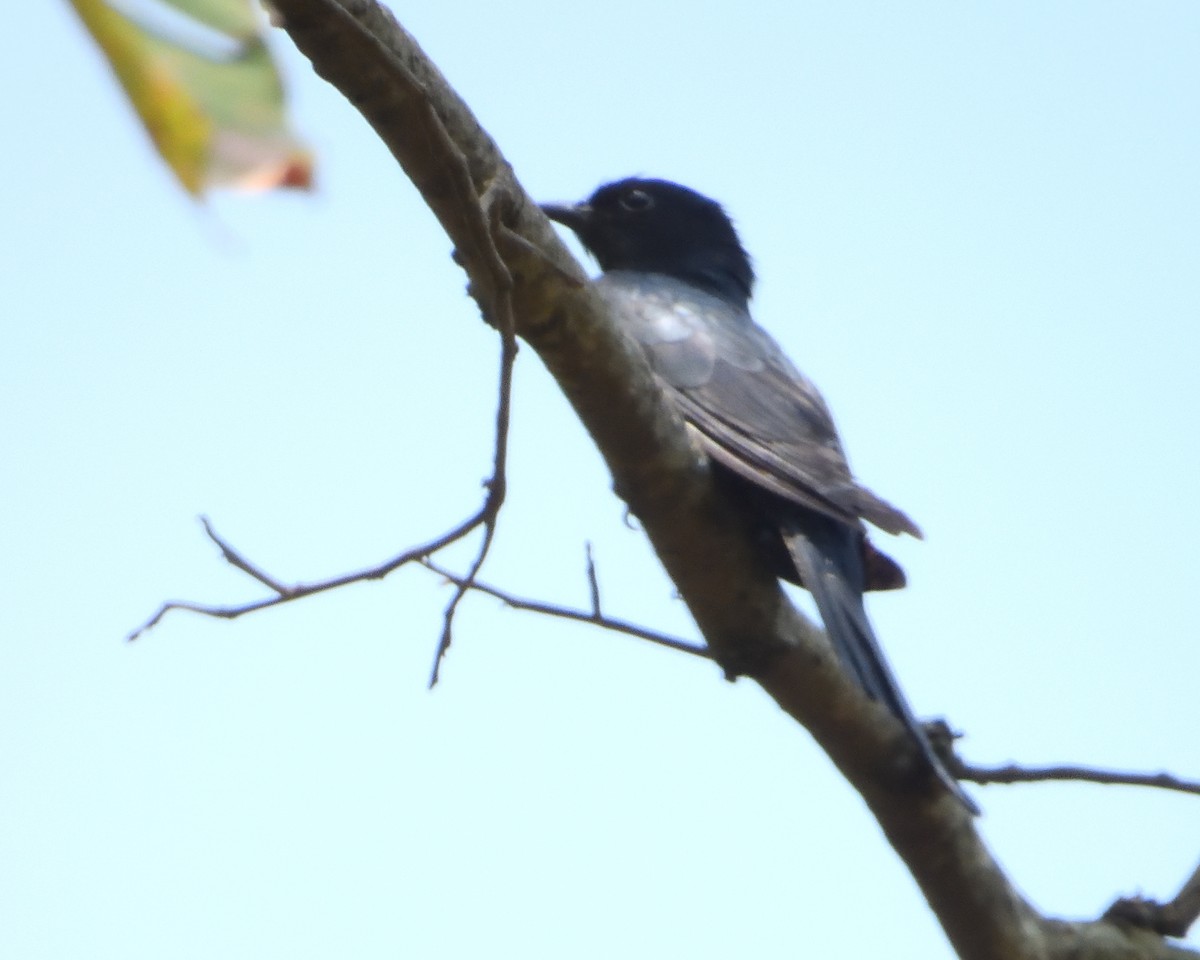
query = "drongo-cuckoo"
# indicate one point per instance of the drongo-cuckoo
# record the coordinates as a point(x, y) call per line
point(680, 282)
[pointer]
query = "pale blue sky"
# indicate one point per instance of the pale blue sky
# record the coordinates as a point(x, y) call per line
point(977, 228)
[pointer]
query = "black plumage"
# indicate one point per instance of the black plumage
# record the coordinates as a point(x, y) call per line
point(680, 282)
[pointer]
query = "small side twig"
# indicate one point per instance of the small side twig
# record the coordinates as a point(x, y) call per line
point(594, 617)
point(235, 559)
point(487, 224)
point(593, 581)
point(285, 593)
point(1012, 773)
point(1172, 919)
point(491, 508)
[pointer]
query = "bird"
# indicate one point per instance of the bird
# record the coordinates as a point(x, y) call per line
point(678, 279)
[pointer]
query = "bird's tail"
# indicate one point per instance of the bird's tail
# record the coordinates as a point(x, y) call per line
point(830, 567)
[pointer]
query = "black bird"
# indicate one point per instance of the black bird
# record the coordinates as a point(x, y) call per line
point(680, 281)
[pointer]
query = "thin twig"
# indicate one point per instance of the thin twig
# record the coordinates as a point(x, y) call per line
point(593, 580)
point(233, 558)
point(1012, 773)
point(489, 224)
point(495, 499)
point(285, 593)
point(566, 613)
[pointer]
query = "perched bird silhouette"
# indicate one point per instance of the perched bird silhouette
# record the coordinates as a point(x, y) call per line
point(680, 282)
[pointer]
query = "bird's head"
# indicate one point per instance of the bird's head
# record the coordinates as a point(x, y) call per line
point(656, 226)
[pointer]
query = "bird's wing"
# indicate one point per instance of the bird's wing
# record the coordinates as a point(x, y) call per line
point(756, 414)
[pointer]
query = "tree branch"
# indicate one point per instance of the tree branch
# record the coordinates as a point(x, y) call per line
point(499, 299)
point(287, 594)
point(594, 617)
point(1011, 773)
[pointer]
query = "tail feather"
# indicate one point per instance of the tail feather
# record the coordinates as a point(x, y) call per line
point(831, 570)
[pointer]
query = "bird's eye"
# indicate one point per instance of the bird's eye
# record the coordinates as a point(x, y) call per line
point(637, 200)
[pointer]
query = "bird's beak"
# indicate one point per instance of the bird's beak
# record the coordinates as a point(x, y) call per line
point(573, 215)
